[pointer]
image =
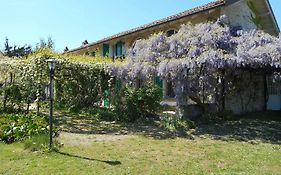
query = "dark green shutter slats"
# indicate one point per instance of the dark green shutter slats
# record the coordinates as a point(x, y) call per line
point(106, 96)
point(105, 50)
point(118, 48)
point(93, 54)
point(159, 83)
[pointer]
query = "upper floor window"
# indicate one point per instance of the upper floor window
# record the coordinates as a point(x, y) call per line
point(105, 50)
point(171, 32)
point(93, 54)
point(118, 48)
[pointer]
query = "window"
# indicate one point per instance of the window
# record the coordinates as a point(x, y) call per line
point(171, 32)
point(93, 54)
point(274, 86)
point(118, 48)
point(159, 82)
point(105, 50)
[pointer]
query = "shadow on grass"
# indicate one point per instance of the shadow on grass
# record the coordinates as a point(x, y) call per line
point(253, 128)
point(81, 124)
point(109, 162)
point(256, 127)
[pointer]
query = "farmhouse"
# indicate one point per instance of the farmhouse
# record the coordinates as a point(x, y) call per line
point(246, 14)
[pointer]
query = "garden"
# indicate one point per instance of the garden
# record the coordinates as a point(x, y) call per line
point(109, 116)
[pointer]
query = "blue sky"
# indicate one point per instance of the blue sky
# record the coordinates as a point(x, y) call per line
point(69, 22)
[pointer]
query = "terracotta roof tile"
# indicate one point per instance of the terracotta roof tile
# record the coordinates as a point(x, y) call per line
point(158, 22)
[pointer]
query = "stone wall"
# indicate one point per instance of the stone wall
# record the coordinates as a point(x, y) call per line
point(239, 14)
point(250, 97)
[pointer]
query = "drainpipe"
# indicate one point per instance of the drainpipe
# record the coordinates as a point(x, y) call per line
point(265, 91)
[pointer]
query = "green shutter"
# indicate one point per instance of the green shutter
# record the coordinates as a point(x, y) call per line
point(105, 50)
point(106, 95)
point(93, 54)
point(159, 82)
point(118, 48)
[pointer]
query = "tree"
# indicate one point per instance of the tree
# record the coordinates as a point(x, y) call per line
point(50, 44)
point(16, 51)
point(201, 60)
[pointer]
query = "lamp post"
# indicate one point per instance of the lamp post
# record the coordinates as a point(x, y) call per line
point(51, 63)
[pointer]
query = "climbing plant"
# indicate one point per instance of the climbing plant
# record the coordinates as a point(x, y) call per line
point(201, 60)
point(79, 81)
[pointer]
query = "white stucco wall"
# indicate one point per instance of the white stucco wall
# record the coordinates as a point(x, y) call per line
point(239, 14)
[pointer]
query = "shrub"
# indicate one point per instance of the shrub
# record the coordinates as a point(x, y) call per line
point(17, 127)
point(100, 114)
point(175, 123)
point(40, 143)
point(220, 116)
point(12, 96)
point(132, 103)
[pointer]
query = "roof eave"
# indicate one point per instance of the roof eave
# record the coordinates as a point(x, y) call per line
point(219, 4)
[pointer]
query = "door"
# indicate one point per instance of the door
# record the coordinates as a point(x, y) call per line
point(274, 94)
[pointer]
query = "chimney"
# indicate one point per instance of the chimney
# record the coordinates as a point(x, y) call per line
point(66, 49)
point(84, 43)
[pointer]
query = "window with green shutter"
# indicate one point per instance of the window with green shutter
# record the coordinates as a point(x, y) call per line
point(159, 83)
point(105, 50)
point(93, 54)
point(118, 48)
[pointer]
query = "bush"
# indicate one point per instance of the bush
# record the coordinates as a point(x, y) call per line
point(17, 127)
point(220, 116)
point(41, 143)
point(132, 104)
point(175, 123)
point(100, 114)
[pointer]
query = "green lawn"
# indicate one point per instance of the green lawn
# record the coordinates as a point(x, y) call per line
point(239, 147)
point(142, 155)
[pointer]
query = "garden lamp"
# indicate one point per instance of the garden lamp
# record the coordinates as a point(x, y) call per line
point(51, 63)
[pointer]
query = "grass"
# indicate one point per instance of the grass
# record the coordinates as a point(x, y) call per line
point(138, 154)
point(245, 146)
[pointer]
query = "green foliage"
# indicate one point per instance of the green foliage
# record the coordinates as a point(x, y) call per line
point(79, 80)
point(17, 127)
point(12, 95)
point(79, 85)
point(49, 44)
point(220, 116)
point(40, 143)
point(16, 51)
point(100, 114)
point(132, 103)
point(174, 123)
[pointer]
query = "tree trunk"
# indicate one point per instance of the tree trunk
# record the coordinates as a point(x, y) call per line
point(180, 100)
point(223, 90)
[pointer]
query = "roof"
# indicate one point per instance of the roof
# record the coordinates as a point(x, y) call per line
point(183, 14)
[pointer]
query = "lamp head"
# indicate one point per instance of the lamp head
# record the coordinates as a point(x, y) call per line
point(51, 63)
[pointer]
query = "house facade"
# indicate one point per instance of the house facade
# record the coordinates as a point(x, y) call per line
point(247, 14)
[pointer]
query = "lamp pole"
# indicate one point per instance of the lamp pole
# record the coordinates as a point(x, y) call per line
point(51, 64)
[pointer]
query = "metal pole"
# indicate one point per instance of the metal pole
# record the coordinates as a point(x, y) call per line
point(51, 107)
